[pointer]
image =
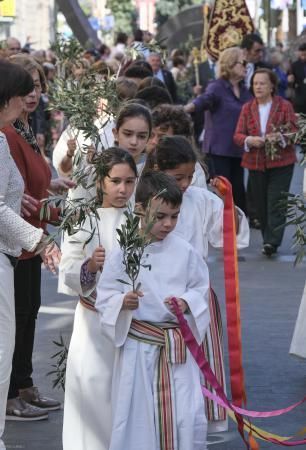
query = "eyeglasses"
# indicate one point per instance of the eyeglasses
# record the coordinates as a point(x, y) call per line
point(244, 63)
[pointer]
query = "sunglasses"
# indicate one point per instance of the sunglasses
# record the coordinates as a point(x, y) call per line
point(244, 63)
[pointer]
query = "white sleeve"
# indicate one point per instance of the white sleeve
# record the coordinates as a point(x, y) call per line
point(199, 178)
point(213, 219)
point(246, 145)
point(115, 322)
point(197, 295)
point(60, 151)
point(13, 229)
point(74, 254)
point(243, 235)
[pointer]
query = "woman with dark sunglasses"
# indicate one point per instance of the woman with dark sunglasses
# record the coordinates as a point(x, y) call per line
point(222, 101)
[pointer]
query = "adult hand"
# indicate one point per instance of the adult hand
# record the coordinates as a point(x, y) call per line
point(131, 300)
point(189, 108)
point(61, 185)
point(96, 262)
point(41, 140)
point(182, 304)
point(71, 144)
point(91, 151)
point(255, 141)
point(51, 256)
point(29, 205)
point(291, 78)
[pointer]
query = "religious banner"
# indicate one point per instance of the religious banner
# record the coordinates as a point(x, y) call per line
point(230, 20)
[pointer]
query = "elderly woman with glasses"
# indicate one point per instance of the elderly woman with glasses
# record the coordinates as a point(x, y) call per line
point(267, 155)
point(222, 101)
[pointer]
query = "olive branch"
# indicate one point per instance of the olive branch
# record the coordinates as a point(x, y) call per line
point(133, 241)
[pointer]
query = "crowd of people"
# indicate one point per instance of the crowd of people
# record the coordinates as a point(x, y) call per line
point(162, 151)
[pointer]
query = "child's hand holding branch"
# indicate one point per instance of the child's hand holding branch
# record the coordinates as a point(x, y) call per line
point(131, 300)
point(96, 262)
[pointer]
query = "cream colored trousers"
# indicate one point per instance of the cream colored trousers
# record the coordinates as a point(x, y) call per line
point(7, 333)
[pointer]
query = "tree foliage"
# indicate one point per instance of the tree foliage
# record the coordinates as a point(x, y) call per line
point(167, 8)
point(124, 13)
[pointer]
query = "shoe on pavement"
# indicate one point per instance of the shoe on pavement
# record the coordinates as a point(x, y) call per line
point(19, 410)
point(32, 396)
point(269, 249)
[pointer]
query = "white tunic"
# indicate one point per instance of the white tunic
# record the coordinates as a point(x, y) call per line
point(298, 343)
point(200, 221)
point(87, 408)
point(176, 270)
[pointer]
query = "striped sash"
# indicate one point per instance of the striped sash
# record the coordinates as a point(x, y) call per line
point(168, 337)
point(89, 301)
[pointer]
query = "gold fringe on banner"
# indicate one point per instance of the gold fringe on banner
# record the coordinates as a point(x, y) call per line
point(230, 20)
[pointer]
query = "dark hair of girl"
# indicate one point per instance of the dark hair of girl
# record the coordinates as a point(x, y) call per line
point(110, 158)
point(131, 110)
point(170, 152)
point(158, 184)
point(15, 82)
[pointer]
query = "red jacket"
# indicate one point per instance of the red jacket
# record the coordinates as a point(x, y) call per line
point(249, 125)
point(36, 175)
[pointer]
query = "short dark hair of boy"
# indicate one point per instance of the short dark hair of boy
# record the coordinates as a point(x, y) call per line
point(140, 69)
point(175, 117)
point(178, 61)
point(159, 184)
point(172, 151)
point(138, 35)
point(125, 88)
point(249, 40)
point(15, 82)
point(151, 81)
point(154, 96)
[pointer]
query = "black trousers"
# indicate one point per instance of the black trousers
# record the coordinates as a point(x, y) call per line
point(27, 282)
point(267, 188)
point(231, 169)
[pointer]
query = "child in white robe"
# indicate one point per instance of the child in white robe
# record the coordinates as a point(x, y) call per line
point(87, 408)
point(201, 223)
point(131, 132)
point(147, 415)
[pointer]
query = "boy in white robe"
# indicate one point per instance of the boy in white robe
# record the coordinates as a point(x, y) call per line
point(146, 415)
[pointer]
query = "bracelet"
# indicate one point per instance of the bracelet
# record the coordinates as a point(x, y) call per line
point(69, 156)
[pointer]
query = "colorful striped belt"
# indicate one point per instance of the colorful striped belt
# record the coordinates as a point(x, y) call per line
point(168, 337)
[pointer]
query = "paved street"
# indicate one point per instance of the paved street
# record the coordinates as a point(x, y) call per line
point(270, 294)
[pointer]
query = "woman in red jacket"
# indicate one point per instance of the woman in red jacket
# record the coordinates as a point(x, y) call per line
point(270, 172)
point(24, 400)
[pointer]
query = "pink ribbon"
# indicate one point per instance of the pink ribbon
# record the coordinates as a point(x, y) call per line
point(220, 396)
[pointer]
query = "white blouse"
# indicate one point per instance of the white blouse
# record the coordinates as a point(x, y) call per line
point(15, 233)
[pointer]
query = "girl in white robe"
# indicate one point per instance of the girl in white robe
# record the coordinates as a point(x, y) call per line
point(176, 270)
point(87, 408)
point(201, 223)
point(131, 132)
